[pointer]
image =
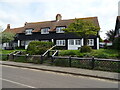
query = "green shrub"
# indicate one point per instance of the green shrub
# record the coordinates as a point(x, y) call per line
point(85, 49)
point(105, 53)
point(38, 47)
point(4, 57)
point(102, 55)
point(69, 52)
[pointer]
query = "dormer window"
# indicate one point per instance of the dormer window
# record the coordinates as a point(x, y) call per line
point(28, 31)
point(45, 30)
point(59, 29)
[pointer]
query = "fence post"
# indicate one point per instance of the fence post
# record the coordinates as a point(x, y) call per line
point(27, 56)
point(52, 60)
point(93, 62)
point(48, 54)
point(7, 56)
point(13, 56)
point(41, 59)
point(70, 61)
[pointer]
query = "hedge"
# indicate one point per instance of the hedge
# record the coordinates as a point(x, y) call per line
point(38, 47)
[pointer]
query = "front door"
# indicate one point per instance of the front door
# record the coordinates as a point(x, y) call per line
point(74, 44)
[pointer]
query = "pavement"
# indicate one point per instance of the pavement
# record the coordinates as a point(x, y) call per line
point(66, 70)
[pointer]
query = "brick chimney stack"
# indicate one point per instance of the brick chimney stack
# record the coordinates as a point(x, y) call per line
point(58, 17)
point(8, 26)
point(25, 23)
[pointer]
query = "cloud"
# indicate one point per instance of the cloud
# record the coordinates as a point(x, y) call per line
point(17, 12)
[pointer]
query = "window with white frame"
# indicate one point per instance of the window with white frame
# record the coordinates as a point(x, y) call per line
point(60, 42)
point(77, 41)
point(59, 29)
point(45, 30)
point(90, 42)
point(22, 43)
point(71, 42)
point(28, 31)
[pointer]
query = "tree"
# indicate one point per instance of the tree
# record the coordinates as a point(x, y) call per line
point(83, 28)
point(110, 35)
point(7, 37)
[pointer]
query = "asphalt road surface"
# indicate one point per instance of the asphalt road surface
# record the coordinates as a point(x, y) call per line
point(16, 77)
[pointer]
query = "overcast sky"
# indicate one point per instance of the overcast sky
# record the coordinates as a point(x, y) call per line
point(17, 12)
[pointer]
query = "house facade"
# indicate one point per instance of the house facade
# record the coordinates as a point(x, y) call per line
point(117, 27)
point(52, 31)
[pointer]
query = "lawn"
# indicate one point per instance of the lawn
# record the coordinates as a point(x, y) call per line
point(101, 53)
point(9, 51)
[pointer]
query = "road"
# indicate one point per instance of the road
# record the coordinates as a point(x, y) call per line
point(16, 77)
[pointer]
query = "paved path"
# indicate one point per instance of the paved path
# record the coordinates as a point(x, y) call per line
point(18, 77)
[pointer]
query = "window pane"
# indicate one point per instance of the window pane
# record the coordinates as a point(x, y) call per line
point(91, 42)
point(28, 31)
point(45, 31)
point(77, 42)
point(60, 42)
point(71, 42)
point(59, 29)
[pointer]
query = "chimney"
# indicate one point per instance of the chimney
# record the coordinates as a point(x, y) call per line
point(25, 23)
point(8, 26)
point(58, 17)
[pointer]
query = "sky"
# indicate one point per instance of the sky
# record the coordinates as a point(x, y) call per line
point(17, 12)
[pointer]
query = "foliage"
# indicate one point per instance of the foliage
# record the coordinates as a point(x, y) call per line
point(85, 49)
point(68, 52)
point(7, 37)
point(38, 47)
point(10, 51)
point(105, 53)
point(101, 53)
point(83, 28)
point(4, 57)
point(110, 35)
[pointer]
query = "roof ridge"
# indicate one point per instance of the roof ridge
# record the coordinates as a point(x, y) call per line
point(17, 27)
point(61, 20)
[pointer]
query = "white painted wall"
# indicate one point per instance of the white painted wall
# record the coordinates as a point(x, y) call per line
point(18, 43)
point(52, 40)
point(82, 42)
point(97, 43)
